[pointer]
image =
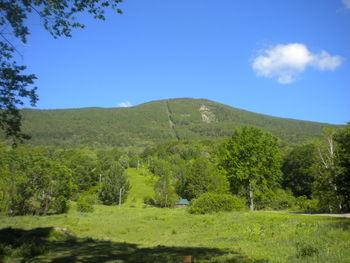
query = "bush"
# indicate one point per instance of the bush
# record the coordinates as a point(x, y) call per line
point(61, 205)
point(149, 200)
point(275, 199)
point(307, 205)
point(306, 250)
point(85, 203)
point(282, 199)
point(211, 203)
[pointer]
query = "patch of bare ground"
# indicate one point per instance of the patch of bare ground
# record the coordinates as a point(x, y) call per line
point(347, 215)
point(332, 215)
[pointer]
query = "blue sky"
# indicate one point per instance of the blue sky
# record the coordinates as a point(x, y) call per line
point(286, 58)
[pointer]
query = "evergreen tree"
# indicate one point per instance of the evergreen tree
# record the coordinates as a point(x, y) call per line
point(115, 186)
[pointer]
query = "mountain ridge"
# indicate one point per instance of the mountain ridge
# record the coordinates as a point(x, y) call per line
point(156, 121)
point(189, 98)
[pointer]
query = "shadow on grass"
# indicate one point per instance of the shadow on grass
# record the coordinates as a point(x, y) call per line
point(58, 246)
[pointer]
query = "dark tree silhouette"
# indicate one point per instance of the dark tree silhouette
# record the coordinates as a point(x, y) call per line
point(58, 17)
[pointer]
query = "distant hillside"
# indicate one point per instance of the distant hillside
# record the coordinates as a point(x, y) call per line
point(156, 121)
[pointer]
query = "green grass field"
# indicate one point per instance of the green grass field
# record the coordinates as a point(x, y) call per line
point(135, 233)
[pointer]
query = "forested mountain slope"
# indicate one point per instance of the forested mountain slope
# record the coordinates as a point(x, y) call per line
point(152, 122)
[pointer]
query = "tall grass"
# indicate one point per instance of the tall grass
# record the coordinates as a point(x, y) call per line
point(136, 233)
point(250, 235)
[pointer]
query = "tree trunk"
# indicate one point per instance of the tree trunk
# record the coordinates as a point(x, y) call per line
point(120, 197)
point(340, 207)
point(328, 162)
point(250, 196)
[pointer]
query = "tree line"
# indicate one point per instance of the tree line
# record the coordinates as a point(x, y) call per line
point(252, 166)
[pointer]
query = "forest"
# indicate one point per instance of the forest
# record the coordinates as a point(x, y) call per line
point(148, 124)
point(252, 170)
point(252, 165)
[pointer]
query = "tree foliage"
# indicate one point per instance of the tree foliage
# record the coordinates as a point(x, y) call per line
point(58, 18)
point(148, 125)
point(251, 161)
point(332, 187)
point(325, 187)
point(164, 186)
point(13, 89)
point(84, 165)
point(204, 176)
point(35, 184)
point(342, 138)
point(299, 169)
point(115, 186)
point(212, 202)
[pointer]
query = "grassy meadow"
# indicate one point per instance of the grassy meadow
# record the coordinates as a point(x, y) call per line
point(138, 233)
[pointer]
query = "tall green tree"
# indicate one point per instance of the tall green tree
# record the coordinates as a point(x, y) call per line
point(164, 186)
point(35, 184)
point(325, 187)
point(84, 165)
point(115, 186)
point(299, 169)
point(342, 138)
point(204, 176)
point(251, 161)
point(58, 17)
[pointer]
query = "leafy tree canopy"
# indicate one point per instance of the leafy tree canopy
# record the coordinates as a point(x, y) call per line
point(298, 169)
point(252, 161)
point(31, 183)
point(115, 186)
point(342, 138)
point(204, 177)
point(58, 17)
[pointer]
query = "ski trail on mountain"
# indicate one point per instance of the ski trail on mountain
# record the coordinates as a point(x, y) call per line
point(171, 123)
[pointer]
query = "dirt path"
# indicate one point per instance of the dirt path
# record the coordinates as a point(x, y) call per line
point(308, 214)
point(331, 215)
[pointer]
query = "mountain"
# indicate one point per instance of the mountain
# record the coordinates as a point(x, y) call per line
point(156, 121)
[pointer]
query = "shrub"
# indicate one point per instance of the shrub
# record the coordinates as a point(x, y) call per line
point(148, 200)
point(307, 205)
point(211, 203)
point(275, 199)
point(85, 203)
point(306, 250)
point(61, 205)
point(282, 199)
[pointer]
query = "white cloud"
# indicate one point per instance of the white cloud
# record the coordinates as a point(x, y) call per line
point(124, 104)
point(324, 61)
point(346, 3)
point(286, 62)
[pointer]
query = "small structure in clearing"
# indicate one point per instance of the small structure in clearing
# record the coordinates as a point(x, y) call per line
point(181, 203)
